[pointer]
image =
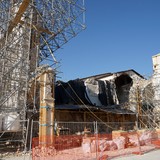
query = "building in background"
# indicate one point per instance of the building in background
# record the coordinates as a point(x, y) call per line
point(156, 86)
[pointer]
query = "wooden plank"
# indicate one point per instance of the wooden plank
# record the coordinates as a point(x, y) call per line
point(16, 20)
point(37, 28)
point(13, 23)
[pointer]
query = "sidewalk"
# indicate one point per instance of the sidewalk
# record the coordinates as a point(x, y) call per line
point(153, 155)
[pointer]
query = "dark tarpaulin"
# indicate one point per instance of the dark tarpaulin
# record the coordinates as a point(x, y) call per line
point(109, 93)
point(105, 95)
point(71, 92)
point(74, 107)
point(74, 92)
point(115, 109)
point(102, 93)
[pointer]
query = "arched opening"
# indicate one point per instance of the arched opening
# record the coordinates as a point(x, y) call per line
point(123, 84)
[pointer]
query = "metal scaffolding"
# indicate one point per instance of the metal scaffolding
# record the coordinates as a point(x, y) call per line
point(144, 102)
point(30, 32)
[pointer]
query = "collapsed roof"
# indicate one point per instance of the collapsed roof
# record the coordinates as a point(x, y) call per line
point(103, 90)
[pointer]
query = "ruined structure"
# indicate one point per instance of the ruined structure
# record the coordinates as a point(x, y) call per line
point(102, 90)
point(110, 96)
point(156, 87)
point(126, 93)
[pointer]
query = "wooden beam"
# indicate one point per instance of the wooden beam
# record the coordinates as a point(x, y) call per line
point(17, 18)
point(37, 28)
point(13, 23)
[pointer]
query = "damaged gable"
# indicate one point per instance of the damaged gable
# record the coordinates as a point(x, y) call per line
point(101, 90)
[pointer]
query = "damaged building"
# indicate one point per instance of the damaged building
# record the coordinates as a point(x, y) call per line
point(110, 97)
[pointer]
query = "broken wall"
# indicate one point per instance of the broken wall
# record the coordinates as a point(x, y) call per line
point(123, 88)
point(115, 89)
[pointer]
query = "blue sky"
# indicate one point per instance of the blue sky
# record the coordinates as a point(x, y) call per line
point(120, 35)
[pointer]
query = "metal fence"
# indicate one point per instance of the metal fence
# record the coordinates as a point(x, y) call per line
point(79, 128)
point(93, 127)
point(13, 138)
point(85, 140)
point(89, 146)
